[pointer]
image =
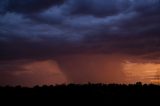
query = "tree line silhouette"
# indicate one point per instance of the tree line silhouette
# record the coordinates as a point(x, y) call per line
point(83, 94)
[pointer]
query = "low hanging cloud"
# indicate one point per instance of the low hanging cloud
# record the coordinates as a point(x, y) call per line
point(32, 73)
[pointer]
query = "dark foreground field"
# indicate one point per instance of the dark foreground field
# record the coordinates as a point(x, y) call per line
point(87, 94)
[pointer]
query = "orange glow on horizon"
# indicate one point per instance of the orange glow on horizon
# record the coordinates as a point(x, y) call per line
point(144, 72)
point(155, 81)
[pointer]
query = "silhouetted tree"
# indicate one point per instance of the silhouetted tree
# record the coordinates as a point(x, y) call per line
point(86, 93)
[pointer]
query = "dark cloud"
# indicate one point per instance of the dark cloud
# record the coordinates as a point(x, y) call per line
point(35, 30)
point(27, 6)
point(96, 8)
point(105, 8)
point(140, 46)
point(54, 15)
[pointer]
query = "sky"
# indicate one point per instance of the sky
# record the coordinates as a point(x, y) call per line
point(79, 41)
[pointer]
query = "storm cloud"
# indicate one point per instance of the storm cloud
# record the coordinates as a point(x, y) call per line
point(40, 30)
point(27, 6)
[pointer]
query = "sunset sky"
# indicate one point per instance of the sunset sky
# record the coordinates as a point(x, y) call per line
point(79, 41)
